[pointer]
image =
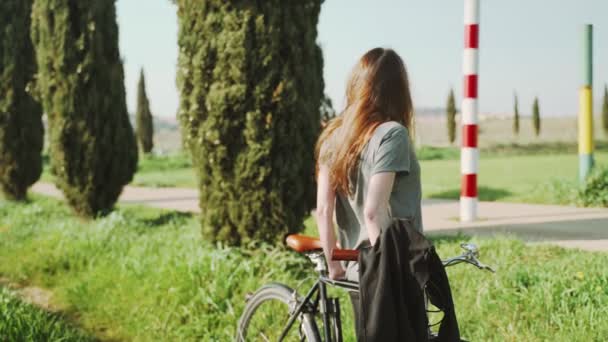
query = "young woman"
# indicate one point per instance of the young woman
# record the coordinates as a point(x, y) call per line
point(367, 171)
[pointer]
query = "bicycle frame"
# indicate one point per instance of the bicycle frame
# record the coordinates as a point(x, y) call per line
point(330, 307)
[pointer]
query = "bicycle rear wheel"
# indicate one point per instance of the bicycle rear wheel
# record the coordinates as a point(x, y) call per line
point(266, 315)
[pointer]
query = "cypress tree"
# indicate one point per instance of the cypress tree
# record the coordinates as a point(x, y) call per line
point(536, 117)
point(144, 120)
point(451, 117)
point(21, 131)
point(516, 116)
point(605, 111)
point(251, 87)
point(93, 151)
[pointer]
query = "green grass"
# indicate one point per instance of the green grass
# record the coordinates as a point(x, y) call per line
point(145, 275)
point(528, 178)
point(535, 173)
point(511, 173)
point(23, 322)
point(153, 171)
point(165, 171)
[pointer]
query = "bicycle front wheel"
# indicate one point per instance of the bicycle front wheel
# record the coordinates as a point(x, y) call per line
point(266, 314)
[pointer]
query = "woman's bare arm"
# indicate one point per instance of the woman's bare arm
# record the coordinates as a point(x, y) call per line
point(376, 203)
point(326, 199)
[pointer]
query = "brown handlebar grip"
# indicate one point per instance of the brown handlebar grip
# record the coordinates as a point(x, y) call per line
point(344, 254)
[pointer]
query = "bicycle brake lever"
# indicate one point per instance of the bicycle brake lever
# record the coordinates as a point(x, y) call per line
point(484, 267)
point(487, 268)
point(481, 266)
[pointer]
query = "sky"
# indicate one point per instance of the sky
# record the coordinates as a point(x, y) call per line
point(533, 48)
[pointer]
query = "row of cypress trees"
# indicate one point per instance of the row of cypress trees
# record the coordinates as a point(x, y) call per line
point(451, 116)
point(250, 107)
point(535, 116)
point(62, 55)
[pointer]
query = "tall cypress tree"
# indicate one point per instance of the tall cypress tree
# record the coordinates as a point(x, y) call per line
point(249, 111)
point(516, 116)
point(536, 117)
point(93, 150)
point(605, 110)
point(144, 120)
point(21, 132)
point(451, 117)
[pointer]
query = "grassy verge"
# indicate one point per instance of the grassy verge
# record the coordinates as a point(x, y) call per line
point(165, 171)
point(23, 322)
point(153, 171)
point(145, 275)
point(535, 173)
point(550, 179)
point(511, 173)
point(505, 150)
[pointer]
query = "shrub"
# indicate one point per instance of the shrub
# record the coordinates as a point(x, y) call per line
point(251, 87)
point(595, 190)
point(21, 132)
point(555, 191)
point(92, 146)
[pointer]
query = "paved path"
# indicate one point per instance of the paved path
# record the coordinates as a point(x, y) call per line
point(585, 228)
point(168, 198)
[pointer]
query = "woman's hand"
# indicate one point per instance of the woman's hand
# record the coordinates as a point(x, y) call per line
point(336, 271)
point(326, 199)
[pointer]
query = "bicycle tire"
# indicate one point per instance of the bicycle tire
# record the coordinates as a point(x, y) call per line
point(282, 294)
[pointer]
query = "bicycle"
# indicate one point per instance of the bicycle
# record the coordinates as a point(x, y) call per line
point(277, 297)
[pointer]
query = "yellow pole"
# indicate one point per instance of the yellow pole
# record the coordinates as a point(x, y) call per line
point(585, 115)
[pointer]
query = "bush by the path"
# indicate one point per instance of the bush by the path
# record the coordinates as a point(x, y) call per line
point(595, 191)
point(24, 322)
point(143, 274)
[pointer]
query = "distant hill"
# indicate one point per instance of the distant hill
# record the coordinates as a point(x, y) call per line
point(430, 111)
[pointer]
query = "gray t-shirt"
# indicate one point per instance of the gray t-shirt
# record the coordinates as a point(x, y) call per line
point(388, 150)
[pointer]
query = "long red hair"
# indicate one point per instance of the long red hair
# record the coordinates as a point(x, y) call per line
point(377, 91)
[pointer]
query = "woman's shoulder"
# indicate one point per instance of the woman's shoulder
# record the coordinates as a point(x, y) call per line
point(387, 130)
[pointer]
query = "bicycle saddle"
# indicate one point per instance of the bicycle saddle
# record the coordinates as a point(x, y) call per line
point(303, 243)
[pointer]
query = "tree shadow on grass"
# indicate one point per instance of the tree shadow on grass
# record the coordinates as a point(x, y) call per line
point(484, 193)
point(166, 218)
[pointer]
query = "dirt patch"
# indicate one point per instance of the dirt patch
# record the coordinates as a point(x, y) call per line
point(38, 296)
point(34, 295)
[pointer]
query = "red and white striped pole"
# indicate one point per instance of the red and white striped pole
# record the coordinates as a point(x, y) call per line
point(469, 155)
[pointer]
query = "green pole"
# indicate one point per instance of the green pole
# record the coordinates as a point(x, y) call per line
point(585, 115)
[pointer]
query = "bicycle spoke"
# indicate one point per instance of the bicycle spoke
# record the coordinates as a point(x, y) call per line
point(269, 321)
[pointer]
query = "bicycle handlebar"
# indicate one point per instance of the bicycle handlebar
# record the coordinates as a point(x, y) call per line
point(469, 256)
point(344, 254)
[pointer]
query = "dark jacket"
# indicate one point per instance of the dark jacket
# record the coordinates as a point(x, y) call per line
point(392, 276)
